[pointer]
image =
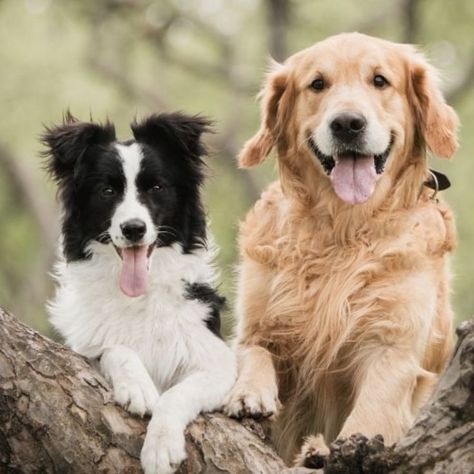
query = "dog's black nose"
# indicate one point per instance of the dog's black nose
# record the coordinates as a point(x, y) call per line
point(348, 126)
point(133, 230)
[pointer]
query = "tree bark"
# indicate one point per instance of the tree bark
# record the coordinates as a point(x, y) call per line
point(57, 415)
point(442, 439)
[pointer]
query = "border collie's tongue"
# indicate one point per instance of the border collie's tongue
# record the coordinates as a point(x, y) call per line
point(353, 178)
point(134, 274)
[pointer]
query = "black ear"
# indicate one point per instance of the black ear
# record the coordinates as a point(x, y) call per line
point(175, 131)
point(67, 143)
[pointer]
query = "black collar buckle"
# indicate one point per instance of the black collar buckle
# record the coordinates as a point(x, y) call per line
point(437, 181)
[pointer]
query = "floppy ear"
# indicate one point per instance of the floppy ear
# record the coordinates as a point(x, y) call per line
point(67, 143)
point(437, 121)
point(174, 130)
point(277, 99)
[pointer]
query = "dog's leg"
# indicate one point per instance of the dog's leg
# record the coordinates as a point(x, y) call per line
point(133, 387)
point(313, 452)
point(384, 402)
point(256, 392)
point(164, 446)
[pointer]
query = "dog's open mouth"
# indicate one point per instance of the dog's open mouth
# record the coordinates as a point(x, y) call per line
point(133, 279)
point(353, 175)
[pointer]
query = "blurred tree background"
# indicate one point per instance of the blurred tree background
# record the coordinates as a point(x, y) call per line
point(126, 58)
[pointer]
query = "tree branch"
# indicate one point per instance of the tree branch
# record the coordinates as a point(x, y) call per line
point(278, 13)
point(57, 415)
point(25, 187)
point(33, 287)
point(410, 20)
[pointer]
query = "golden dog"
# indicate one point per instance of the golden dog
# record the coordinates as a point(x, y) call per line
point(343, 301)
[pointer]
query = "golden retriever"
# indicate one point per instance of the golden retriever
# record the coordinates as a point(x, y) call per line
point(343, 297)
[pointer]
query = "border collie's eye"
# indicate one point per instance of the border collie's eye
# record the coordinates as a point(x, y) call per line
point(380, 82)
point(318, 84)
point(107, 191)
point(155, 189)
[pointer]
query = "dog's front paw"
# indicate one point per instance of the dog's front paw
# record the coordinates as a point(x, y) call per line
point(136, 396)
point(313, 453)
point(163, 449)
point(253, 402)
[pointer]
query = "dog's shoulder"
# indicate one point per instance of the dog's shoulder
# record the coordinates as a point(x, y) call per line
point(431, 224)
point(262, 226)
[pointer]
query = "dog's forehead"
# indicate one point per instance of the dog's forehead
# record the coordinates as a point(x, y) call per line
point(346, 53)
point(102, 158)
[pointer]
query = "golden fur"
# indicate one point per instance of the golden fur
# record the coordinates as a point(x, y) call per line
point(344, 309)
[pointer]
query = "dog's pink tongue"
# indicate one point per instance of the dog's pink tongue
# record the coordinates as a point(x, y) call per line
point(353, 178)
point(134, 275)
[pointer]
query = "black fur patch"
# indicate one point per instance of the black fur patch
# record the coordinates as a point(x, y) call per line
point(176, 140)
point(80, 158)
point(206, 294)
point(83, 160)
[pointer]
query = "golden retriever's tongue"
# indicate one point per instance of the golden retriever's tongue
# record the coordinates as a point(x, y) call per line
point(134, 274)
point(353, 178)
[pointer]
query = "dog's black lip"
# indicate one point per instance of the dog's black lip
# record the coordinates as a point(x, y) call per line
point(328, 162)
point(381, 159)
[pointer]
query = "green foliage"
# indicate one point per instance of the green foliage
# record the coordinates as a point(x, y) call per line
point(122, 59)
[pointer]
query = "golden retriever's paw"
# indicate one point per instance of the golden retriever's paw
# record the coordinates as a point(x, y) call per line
point(245, 401)
point(313, 453)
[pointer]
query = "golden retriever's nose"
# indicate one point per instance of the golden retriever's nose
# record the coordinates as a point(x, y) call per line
point(348, 126)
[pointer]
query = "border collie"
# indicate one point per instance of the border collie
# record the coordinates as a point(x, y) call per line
point(136, 284)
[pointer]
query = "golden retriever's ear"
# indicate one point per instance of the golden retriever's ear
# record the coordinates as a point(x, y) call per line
point(438, 122)
point(276, 101)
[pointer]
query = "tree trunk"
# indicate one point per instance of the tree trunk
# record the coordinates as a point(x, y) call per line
point(57, 415)
point(442, 439)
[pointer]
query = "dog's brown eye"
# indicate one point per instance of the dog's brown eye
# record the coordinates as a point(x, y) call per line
point(318, 84)
point(156, 188)
point(107, 191)
point(380, 82)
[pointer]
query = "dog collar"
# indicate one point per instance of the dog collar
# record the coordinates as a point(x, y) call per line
point(437, 181)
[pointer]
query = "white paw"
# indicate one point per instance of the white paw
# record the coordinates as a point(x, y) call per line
point(163, 449)
point(135, 395)
point(254, 402)
point(133, 387)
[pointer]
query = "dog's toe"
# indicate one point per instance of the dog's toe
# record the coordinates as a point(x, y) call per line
point(251, 403)
point(313, 453)
point(138, 399)
point(163, 449)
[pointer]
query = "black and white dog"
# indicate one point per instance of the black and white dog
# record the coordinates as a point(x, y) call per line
point(136, 280)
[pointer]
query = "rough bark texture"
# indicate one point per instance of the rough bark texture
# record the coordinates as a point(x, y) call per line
point(57, 415)
point(442, 439)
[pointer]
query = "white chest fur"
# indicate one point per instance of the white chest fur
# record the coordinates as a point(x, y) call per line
point(164, 327)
